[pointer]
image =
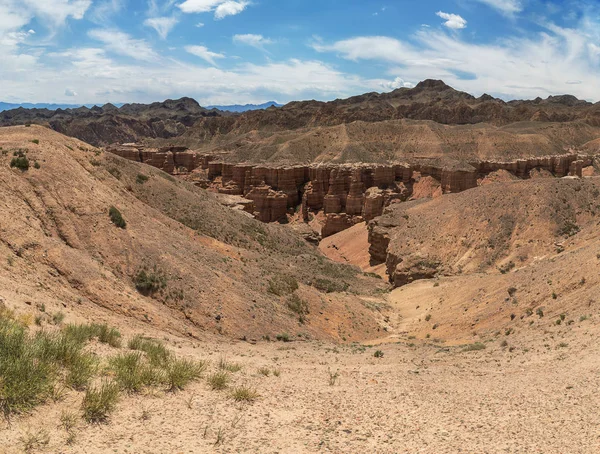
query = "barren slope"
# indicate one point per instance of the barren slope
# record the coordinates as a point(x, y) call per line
point(218, 265)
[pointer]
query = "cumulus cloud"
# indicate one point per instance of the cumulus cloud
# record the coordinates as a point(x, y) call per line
point(258, 41)
point(398, 82)
point(204, 53)
point(162, 25)
point(69, 92)
point(221, 8)
point(122, 44)
point(507, 7)
point(453, 21)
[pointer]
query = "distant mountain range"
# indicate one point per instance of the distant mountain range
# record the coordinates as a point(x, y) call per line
point(9, 106)
point(245, 108)
point(237, 108)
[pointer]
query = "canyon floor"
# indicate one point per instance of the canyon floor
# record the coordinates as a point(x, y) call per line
point(538, 394)
point(487, 358)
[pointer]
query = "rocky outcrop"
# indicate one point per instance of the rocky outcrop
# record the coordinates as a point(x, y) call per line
point(335, 223)
point(344, 192)
point(270, 205)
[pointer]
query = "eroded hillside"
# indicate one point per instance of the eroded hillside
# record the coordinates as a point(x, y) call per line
point(183, 262)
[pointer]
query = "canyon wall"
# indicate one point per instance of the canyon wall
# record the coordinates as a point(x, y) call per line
point(345, 193)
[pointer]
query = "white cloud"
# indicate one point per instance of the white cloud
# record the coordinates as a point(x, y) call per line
point(69, 92)
point(398, 82)
point(453, 21)
point(200, 24)
point(257, 41)
point(123, 44)
point(204, 53)
point(230, 8)
point(221, 8)
point(104, 10)
point(162, 25)
point(507, 7)
point(543, 64)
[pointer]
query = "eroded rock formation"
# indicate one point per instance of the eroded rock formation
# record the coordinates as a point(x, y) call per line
point(346, 193)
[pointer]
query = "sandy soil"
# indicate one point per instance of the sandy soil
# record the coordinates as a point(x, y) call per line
point(427, 398)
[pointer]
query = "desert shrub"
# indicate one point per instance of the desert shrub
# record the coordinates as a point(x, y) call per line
point(180, 372)
point(378, 354)
point(297, 305)
point(569, 229)
point(115, 172)
point(99, 402)
point(85, 333)
point(282, 284)
point(264, 371)
point(156, 352)
point(244, 394)
point(218, 380)
point(37, 165)
point(25, 379)
point(230, 367)
point(474, 347)
point(283, 337)
point(81, 371)
point(58, 318)
point(20, 162)
point(132, 372)
point(141, 178)
point(328, 286)
point(149, 281)
point(108, 335)
point(116, 217)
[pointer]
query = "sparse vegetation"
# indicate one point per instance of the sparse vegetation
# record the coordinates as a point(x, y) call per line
point(282, 284)
point(141, 178)
point(264, 371)
point(149, 281)
point(333, 377)
point(180, 372)
point(283, 337)
point(297, 305)
point(116, 217)
point(133, 372)
point(156, 352)
point(378, 354)
point(244, 394)
point(474, 347)
point(219, 380)
point(230, 367)
point(20, 162)
point(99, 402)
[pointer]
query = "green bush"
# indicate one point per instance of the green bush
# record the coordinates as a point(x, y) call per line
point(81, 371)
point(20, 162)
point(141, 178)
point(132, 372)
point(25, 379)
point(149, 281)
point(156, 352)
point(99, 402)
point(116, 217)
point(180, 372)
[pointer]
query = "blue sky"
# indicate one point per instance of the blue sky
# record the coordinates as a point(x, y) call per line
point(251, 51)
